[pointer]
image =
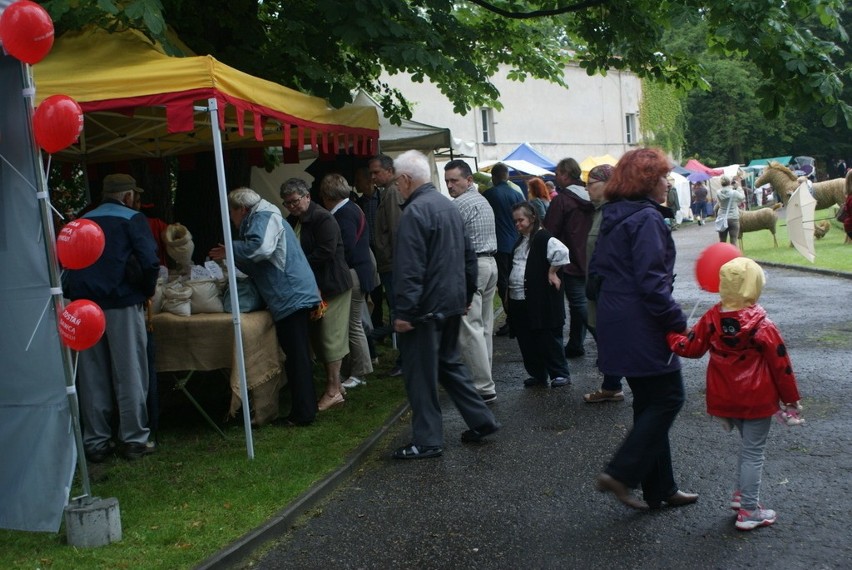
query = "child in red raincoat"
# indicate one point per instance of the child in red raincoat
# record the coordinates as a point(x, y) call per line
point(749, 377)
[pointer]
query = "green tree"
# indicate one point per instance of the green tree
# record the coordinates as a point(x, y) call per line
point(331, 47)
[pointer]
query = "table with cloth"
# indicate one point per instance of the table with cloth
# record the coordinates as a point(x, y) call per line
point(206, 342)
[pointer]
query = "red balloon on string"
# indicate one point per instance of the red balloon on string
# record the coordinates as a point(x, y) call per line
point(710, 261)
point(26, 31)
point(81, 325)
point(79, 244)
point(57, 123)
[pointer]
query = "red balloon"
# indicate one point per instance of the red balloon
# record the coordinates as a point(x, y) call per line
point(81, 324)
point(57, 123)
point(26, 31)
point(79, 244)
point(710, 261)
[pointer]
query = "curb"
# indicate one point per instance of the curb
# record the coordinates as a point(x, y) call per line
point(806, 269)
point(285, 519)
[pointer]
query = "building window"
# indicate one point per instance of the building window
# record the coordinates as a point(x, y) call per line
point(486, 114)
point(630, 128)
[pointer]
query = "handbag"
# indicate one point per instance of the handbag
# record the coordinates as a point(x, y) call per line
point(842, 214)
point(248, 295)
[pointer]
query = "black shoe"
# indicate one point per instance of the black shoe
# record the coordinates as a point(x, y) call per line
point(574, 353)
point(488, 398)
point(411, 451)
point(290, 422)
point(478, 434)
point(533, 382)
point(133, 451)
point(99, 455)
point(503, 330)
point(396, 371)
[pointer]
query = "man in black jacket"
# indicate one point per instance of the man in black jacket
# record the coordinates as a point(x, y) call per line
point(434, 271)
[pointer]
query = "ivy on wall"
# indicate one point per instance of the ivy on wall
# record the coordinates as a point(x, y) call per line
point(661, 115)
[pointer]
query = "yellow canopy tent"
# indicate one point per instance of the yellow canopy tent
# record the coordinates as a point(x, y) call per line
point(592, 161)
point(139, 102)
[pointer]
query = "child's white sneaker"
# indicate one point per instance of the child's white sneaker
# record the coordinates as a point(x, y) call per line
point(748, 520)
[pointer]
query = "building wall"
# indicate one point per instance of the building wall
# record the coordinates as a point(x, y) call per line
point(586, 119)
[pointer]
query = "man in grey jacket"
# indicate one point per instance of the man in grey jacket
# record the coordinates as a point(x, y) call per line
point(434, 271)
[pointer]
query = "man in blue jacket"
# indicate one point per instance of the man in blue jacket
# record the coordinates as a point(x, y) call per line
point(116, 368)
point(267, 250)
point(434, 273)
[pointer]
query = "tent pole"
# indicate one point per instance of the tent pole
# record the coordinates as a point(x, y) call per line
point(213, 109)
point(49, 235)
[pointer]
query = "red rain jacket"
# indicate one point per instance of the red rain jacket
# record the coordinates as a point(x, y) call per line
point(749, 370)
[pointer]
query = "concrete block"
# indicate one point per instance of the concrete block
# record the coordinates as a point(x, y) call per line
point(92, 522)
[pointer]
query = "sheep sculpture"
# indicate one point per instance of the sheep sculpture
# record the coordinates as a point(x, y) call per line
point(755, 220)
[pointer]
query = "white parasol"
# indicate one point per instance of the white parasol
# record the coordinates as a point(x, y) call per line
point(800, 221)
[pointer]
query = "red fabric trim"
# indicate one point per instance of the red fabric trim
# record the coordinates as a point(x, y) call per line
point(179, 111)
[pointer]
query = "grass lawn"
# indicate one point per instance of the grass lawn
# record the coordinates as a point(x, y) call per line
point(200, 492)
point(831, 252)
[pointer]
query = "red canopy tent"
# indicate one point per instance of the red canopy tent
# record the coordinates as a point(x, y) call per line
point(696, 166)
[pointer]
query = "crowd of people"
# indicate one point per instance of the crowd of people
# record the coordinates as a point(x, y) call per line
point(604, 246)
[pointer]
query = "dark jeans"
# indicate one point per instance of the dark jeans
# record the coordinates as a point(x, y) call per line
point(541, 349)
point(387, 283)
point(504, 267)
point(575, 292)
point(645, 456)
point(292, 334)
point(610, 381)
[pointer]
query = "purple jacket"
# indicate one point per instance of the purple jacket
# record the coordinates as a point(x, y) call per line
point(635, 256)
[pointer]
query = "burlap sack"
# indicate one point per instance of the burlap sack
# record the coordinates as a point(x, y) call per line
point(176, 299)
point(205, 296)
point(179, 246)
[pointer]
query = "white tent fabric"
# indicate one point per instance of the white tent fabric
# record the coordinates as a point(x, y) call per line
point(407, 135)
point(36, 434)
point(521, 166)
point(684, 195)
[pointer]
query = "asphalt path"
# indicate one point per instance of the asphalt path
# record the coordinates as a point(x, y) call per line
point(526, 498)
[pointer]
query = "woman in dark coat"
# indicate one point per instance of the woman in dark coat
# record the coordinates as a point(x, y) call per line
point(536, 312)
point(320, 238)
point(634, 262)
point(334, 191)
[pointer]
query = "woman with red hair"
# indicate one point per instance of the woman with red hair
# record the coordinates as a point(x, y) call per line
point(633, 267)
point(538, 195)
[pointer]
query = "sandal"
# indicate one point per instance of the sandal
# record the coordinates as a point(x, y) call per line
point(411, 451)
point(604, 396)
point(327, 401)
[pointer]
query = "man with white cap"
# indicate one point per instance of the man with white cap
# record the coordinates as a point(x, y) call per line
point(114, 373)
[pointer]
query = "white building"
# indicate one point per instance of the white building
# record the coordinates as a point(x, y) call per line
point(594, 116)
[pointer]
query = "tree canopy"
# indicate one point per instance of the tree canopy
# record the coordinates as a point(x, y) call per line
point(331, 47)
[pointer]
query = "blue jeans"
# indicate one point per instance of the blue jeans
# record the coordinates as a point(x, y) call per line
point(750, 464)
point(575, 292)
point(645, 456)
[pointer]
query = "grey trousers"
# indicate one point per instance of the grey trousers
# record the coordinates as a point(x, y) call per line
point(750, 464)
point(114, 372)
point(430, 356)
point(357, 362)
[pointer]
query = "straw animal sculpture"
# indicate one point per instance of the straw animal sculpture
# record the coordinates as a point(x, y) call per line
point(784, 183)
point(756, 220)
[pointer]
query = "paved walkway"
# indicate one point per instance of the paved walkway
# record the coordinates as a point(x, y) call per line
point(526, 497)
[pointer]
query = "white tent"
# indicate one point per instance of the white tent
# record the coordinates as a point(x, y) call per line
point(520, 166)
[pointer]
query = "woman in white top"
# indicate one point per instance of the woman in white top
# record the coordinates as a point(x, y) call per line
point(536, 313)
point(728, 216)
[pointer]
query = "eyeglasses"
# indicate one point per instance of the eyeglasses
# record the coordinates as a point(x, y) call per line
point(293, 202)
